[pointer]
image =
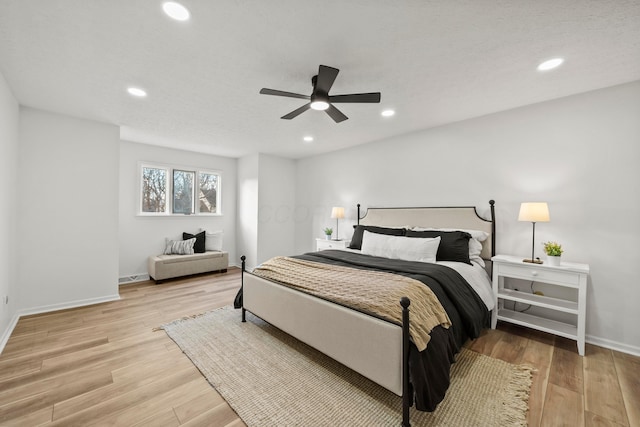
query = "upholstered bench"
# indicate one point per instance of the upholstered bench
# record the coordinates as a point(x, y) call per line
point(163, 267)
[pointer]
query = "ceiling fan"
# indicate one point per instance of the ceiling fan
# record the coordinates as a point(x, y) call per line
point(320, 98)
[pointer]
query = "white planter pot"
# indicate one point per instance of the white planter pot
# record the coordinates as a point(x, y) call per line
point(327, 236)
point(553, 260)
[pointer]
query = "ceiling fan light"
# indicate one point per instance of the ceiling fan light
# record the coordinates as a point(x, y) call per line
point(319, 105)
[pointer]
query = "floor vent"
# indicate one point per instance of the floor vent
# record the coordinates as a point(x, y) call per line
point(133, 278)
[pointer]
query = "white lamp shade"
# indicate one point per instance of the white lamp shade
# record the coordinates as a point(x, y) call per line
point(534, 212)
point(337, 213)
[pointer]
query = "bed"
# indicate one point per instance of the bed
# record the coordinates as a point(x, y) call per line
point(376, 346)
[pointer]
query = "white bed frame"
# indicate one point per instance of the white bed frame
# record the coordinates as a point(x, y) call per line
point(370, 346)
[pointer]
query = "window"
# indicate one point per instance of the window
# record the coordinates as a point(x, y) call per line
point(183, 192)
point(208, 192)
point(154, 189)
point(178, 191)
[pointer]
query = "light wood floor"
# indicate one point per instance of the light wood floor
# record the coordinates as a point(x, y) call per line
point(104, 365)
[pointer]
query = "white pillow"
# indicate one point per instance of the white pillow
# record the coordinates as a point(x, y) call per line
point(400, 247)
point(475, 242)
point(213, 240)
point(475, 249)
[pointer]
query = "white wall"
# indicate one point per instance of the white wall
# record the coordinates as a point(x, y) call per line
point(248, 177)
point(580, 154)
point(142, 236)
point(266, 205)
point(276, 227)
point(68, 211)
point(9, 116)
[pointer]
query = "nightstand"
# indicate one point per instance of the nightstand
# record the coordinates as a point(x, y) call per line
point(568, 274)
point(323, 244)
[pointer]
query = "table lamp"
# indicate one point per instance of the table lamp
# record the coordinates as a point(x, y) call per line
point(338, 214)
point(534, 212)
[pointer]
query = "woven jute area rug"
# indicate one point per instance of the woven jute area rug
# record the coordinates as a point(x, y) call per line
point(272, 379)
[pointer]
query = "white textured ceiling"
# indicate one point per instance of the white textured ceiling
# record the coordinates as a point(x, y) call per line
point(435, 62)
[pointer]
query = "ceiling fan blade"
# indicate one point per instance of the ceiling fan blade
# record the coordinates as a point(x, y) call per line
point(265, 91)
point(336, 114)
point(372, 97)
point(326, 77)
point(296, 113)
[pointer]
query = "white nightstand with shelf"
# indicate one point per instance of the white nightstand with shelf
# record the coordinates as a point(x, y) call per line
point(324, 244)
point(568, 274)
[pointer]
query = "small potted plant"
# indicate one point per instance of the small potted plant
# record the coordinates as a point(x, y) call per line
point(554, 251)
point(328, 232)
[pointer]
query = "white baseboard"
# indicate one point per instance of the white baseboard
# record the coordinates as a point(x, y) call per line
point(613, 345)
point(66, 305)
point(7, 332)
point(141, 277)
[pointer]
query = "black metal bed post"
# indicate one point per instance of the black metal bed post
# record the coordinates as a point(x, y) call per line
point(358, 213)
point(493, 227)
point(244, 312)
point(406, 388)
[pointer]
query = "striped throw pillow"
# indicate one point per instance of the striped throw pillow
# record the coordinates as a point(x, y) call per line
point(179, 247)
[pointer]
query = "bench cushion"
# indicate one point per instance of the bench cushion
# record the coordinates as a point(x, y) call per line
point(169, 266)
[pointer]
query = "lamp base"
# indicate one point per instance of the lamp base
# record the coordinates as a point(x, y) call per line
point(533, 261)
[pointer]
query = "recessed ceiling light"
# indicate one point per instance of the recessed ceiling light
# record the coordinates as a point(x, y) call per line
point(308, 138)
point(550, 64)
point(176, 11)
point(388, 113)
point(136, 91)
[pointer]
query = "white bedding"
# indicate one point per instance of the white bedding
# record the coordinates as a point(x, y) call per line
point(477, 277)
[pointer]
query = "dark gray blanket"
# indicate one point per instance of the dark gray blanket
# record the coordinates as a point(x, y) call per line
point(429, 370)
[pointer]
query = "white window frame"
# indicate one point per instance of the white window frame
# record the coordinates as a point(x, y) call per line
point(169, 190)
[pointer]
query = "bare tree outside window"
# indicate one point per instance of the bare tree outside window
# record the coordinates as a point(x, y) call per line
point(183, 192)
point(208, 194)
point(154, 189)
point(166, 190)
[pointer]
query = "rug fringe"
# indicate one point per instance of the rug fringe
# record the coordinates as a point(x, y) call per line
point(181, 319)
point(519, 388)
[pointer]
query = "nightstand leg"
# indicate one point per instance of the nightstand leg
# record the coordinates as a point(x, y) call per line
point(497, 282)
point(582, 312)
point(581, 346)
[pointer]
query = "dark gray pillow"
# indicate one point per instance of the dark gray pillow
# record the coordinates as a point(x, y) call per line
point(356, 240)
point(199, 247)
point(454, 245)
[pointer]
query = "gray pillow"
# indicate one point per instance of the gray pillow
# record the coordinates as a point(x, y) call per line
point(179, 247)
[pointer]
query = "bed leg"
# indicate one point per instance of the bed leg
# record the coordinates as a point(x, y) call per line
point(406, 397)
point(244, 312)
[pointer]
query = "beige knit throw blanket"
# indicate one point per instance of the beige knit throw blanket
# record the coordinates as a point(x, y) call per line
point(371, 292)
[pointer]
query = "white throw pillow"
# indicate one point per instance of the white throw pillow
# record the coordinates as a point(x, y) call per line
point(400, 247)
point(213, 240)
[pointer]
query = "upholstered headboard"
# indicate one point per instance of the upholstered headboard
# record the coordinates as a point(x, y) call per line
point(458, 217)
